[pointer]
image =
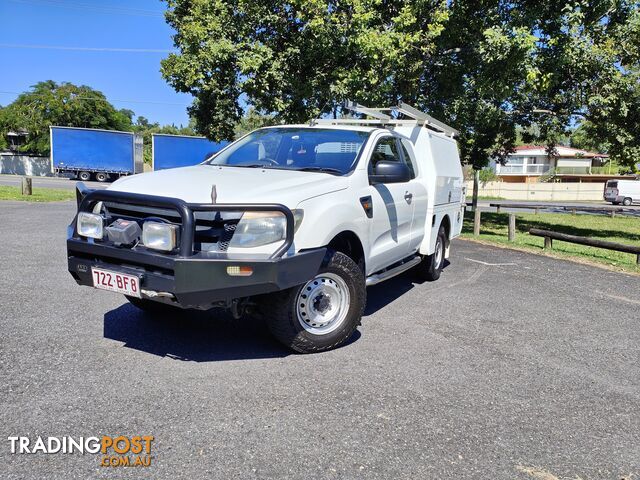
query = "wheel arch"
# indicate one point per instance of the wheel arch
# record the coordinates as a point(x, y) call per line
point(349, 243)
point(446, 223)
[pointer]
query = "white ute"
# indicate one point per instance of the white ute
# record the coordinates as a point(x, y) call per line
point(295, 221)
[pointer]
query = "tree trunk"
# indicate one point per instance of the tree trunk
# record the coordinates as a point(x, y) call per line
point(476, 181)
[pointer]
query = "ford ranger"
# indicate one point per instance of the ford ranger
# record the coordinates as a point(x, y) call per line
point(296, 221)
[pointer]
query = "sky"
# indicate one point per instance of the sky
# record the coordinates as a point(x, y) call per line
point(129, 79)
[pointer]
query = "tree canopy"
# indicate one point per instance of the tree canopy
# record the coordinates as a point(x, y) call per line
point(64, 104)
point(485, 67)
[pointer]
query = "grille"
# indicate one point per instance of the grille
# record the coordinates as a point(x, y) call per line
point(223, 243)
point(212, 231)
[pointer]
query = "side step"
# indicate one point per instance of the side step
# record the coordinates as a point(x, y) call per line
point(392, 272)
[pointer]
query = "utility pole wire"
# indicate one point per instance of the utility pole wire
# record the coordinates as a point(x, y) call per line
point(89, 49)
point(95, 8)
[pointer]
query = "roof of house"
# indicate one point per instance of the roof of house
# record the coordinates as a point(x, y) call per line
point(562, 151)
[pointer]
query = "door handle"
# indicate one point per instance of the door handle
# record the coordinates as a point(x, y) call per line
point(408, 196)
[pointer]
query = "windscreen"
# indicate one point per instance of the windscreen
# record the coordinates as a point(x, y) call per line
point(309, 149)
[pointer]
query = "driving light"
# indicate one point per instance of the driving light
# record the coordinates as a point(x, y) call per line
point(90, 225)
point(160, 236)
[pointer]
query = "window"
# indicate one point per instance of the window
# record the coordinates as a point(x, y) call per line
point(385, 150)
point(289, 148)
point(408, 159)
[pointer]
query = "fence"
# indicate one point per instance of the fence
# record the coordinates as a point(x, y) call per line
point(17, 164)
point(550, 235)
point(560, 192)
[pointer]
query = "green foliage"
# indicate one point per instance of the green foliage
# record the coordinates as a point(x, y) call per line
point(296, 59)
point(38, 194)
point(49, 103)
point(487, 68)
point(143, 127)
point(487, 175)
point(620, 229)
point(587, 70)
point(253, 120)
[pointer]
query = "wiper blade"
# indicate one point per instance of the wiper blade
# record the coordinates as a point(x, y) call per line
point(320, 169)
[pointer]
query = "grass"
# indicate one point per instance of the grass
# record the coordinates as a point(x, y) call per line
point(486, 197)
point(620, 229)
point(39, 194)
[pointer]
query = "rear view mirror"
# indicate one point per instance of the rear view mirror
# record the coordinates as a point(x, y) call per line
point(390, 172)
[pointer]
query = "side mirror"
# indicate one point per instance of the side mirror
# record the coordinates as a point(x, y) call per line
point(390, 172)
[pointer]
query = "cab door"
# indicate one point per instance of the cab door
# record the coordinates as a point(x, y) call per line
point(392, 219)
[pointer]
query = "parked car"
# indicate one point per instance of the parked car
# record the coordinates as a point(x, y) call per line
point(622, 191)
point(295, 221)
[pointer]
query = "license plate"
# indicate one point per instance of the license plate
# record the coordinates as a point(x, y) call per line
point(116, 282)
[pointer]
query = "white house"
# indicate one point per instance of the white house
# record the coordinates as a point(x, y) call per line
point(529, 162)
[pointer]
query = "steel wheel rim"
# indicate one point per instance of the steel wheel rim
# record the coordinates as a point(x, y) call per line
point(439, 253)
point(322, 304)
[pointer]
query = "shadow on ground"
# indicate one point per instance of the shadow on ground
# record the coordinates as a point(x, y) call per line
point(215, 335)
point(191, 335)
point(382, 294)
point(195, 336)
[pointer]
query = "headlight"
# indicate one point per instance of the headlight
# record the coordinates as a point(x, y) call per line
point(262, 228)
point(160, 236)
point(90, 225)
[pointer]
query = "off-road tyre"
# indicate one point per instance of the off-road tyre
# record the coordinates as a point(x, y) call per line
point(281, 310)
point(431, 266)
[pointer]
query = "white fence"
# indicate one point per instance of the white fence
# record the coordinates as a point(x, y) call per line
point(17, 164)
point(557, 192)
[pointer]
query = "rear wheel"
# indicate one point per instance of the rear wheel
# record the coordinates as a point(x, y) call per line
point(84, 176)
point(102, 177)
point(431, 266)
point(626, 202)
point(324, 312)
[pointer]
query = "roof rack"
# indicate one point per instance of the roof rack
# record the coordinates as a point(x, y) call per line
point(380, 116)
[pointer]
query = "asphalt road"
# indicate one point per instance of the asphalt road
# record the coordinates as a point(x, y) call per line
point(511, 365)
point(558, 207)
point(48, 182)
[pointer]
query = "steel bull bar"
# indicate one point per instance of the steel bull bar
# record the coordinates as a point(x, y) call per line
point(196, 279)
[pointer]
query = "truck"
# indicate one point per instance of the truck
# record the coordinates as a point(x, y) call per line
point(171, 151)
point(622, 192)
point(89, 153)
point(292, 222)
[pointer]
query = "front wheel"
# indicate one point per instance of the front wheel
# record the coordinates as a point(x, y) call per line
point(324, 312)
point(84, 176)
point(626, 202)
point(431, 266)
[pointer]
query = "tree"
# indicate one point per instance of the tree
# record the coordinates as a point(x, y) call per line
point(146, 129)
point(485, 67)
point(587, 65)
point(295, 59)
point(49, 103)
point(252, 120)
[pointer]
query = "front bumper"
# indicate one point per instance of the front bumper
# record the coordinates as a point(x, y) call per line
point(188, 278)
point(200, 281)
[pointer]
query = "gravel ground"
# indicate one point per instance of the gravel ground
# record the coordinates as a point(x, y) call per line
point(511, 366)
